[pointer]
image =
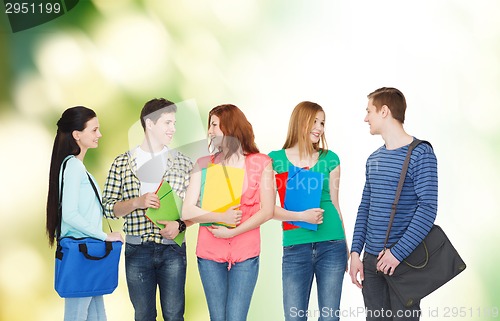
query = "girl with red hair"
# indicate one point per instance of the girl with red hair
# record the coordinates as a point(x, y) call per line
point(228, 258)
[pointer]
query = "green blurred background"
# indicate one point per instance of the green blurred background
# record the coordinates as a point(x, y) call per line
point(265, 57)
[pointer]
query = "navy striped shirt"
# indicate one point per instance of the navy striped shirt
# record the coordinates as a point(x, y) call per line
point(417, 208)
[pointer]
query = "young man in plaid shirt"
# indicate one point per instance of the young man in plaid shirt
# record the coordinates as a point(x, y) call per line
point(152, 258)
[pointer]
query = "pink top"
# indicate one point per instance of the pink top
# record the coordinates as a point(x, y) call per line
point(246, 245)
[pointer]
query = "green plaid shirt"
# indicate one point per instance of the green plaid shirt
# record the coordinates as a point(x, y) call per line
point(122, 184)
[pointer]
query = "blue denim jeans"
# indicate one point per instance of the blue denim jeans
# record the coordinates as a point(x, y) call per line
point(151, 265)
point(228, 292)
point(84, 309)
point(381, 302)
point(324, 260)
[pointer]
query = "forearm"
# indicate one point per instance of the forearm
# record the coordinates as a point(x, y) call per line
point(254, 221)
point(360, 227)
point(406, 244)
point(123, 208)
point(79, 223)
point(282, 214)
point(359, 234)
point(196, 214)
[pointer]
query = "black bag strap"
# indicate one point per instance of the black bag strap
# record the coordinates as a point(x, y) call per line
point(402, 177)
point(59, 207)
point(59, 212)
point(82, 247)
point(99, 199)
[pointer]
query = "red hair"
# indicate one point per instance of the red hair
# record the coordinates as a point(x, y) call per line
point(234, 124)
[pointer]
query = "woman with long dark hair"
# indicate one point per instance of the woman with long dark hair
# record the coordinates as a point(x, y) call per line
point(77, 131)
point(228, 258)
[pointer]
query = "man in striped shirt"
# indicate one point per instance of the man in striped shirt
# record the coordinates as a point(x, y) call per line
point(415, 212)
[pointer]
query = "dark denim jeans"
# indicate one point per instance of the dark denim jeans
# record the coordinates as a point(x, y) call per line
point(325, 260)
point(151, 265)
point(228, 292)
point(381, 302)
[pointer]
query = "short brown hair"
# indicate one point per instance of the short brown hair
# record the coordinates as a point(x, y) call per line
point(154, 108)
point(392, 98)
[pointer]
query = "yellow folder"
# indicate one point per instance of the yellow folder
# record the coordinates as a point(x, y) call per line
point(170, 207)
point(222, 188)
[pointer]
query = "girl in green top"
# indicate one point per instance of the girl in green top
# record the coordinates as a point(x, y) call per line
point(306, 252)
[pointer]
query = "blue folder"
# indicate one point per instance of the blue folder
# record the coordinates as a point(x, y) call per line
point(303, 191)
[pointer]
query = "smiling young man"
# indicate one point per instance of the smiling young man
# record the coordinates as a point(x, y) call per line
point(415, 212)
point(152, 259)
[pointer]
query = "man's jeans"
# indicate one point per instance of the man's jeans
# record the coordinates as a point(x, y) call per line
point(381, 302)
point(149, 265)
point(325, 260)
point(228, 292)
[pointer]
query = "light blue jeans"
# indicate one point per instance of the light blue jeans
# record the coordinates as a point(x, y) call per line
point(324, 260)
point(84, 309)
point(228, 292)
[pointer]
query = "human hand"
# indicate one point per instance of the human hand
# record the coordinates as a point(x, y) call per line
point(312, 215)
point(171, 229)
point(232, 216)
point(355, 269)
point(148, 200)
point(114, 236)
point(386, 262)
point(221, 232)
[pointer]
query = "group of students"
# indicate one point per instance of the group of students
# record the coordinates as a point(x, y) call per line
point(228, 258)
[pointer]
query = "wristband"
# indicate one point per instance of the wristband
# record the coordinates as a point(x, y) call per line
point(182, 225)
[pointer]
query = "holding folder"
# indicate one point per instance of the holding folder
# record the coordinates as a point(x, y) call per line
point(303, 191)
point(170, 207)
point(281, 179)
point(222, 187)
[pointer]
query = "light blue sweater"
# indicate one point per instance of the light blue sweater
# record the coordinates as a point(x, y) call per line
point(81, 211)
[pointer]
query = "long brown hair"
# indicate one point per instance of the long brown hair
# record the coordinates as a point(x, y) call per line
point(299, 127)
point(74, 118)
point(238, 132)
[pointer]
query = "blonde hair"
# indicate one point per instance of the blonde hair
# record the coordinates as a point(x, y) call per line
point(299, 127)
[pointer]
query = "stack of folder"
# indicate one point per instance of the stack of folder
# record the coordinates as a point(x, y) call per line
point(221, 188)
point(299, 189)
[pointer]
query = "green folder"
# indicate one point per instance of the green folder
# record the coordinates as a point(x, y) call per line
point(170, 207)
